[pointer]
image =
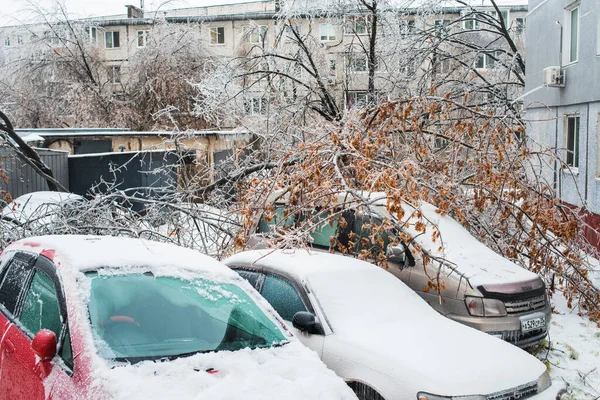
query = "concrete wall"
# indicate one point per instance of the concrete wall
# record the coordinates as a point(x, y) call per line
point(547, 107)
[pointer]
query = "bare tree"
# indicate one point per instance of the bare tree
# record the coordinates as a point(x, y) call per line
point(60, 78)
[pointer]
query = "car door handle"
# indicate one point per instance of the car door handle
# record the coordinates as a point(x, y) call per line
point(9, 347)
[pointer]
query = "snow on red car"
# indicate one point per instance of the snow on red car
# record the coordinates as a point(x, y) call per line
point(86, 317)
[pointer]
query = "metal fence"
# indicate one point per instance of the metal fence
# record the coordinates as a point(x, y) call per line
point(150, 173)
point(23, 179)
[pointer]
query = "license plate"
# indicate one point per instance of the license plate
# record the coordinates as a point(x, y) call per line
point(532, 324)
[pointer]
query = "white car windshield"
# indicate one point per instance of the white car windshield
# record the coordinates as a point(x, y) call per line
point(140, 316)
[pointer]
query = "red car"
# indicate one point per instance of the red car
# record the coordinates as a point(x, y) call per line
point(103, 318)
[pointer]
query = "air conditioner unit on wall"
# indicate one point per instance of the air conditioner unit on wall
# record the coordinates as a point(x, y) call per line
point(554, 77)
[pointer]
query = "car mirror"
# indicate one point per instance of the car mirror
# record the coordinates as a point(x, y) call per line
point(305, 321)
point(44, 345)
point(396, 254)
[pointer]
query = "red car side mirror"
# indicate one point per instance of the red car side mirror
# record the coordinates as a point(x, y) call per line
point(44, 345)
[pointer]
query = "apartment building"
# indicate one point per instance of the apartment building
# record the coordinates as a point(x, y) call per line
point(231, 31)
point(563, 100)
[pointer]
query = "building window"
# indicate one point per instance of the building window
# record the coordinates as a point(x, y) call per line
point(7, 41)
point(598, 152)
point(217, 35)
point(441, 27)
point(92, 34)
point(363, 99)
point(52, 38)
point(356, 62)
point(504, 15)
point(442, 66)
point(142, 38)
point(20, 40)
point(440, 143)
point(470, 24)
point(332, 65)
point(327, 33)
point(407, 27)
point(574, 34)
point(484, 61)
point(572, 142)
point(111, 40)
point(357, 99)
point(407, 67)
point(479, 18)
point(256, 35)
point(114, 74)
point(519, 26)
point(356, 25)
point(256, 106)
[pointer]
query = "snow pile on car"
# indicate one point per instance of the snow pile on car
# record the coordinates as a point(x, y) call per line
point(286, 372)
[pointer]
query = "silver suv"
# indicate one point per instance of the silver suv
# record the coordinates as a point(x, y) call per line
point(480, 288)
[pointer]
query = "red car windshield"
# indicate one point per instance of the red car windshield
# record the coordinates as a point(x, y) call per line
point(140, 316)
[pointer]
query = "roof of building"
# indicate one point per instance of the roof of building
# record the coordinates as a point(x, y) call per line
point(44, 133)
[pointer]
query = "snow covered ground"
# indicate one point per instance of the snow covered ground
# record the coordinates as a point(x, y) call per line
point(575, 351)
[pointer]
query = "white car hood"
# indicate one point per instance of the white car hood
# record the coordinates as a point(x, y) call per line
point(440, 356)
point(288, 372)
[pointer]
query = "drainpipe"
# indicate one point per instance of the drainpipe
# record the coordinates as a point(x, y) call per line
point(557, 180)
point(587, 145)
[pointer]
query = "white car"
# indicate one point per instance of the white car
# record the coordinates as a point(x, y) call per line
point(86, 317)
point(39, 208)
point(382, 338)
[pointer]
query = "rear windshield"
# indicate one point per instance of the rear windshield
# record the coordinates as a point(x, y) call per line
point(140, 316)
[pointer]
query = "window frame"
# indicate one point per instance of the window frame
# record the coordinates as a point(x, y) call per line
point(329, 28)
point(351, 58)
point(143, 34)
point(255, 34)
point(443, 66)
point(92, 34)
point(251, 103)
point(441, 26)
point(575, 152)
point(520, 26)
point(350, 25)
point(407, 27)
point(487, 61)
point(112, 41)
point(568, 34)
point(217, 36)
point(110, 72)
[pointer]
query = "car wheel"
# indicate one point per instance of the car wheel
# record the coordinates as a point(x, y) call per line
point(364, 391)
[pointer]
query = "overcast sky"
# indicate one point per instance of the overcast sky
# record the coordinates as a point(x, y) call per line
point(14, 11)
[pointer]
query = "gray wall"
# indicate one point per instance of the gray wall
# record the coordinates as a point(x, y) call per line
point(546, 108)
point(543, 50)
point(23, 179)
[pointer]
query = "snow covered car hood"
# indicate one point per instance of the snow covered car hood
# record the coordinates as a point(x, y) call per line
point(443, 357)
point(287, 372)
point(379, 322)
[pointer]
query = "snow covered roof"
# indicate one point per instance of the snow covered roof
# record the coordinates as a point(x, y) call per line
point(300, 263)
point(88, 253)
point(119, 132)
